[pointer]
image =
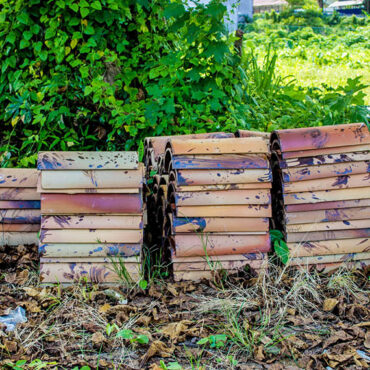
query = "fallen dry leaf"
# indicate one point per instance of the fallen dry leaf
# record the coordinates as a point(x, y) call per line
point(104, 308)
point(296, 342)
point(17, 277)
point(258, 353)
point(174, 329)
point(144, 320)
point(98, 338)
point(335, 337)
point(329, 304)
point(172, 290)
point(158, 348)
point(30, 306)
point(10, 345)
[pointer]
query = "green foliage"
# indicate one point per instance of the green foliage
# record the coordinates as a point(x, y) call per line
point(132, 337)
point(104, 74)
point(280, 247)
point(36, 364)
point(214, 341)
point(170, 365)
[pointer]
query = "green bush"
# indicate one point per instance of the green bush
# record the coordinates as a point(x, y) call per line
point(103, 74)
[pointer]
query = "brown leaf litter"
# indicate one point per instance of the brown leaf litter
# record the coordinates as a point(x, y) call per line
point(286, 321)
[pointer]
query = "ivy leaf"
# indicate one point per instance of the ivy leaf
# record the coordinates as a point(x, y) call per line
point(74, 22)
point(217, 49)
point(24, 18)
point(74, 7)
point(276, 235)
point(96, 5)
point(35, 29)
point(11, 38)
point(73, 43)
point(61, 4)
point(43, 55)
point(24, 43)
point(84, 70)
point(50, 32)
point(83, 4)
point(27, 35)
point(174, 10)
point(89, 30)
point(84, 12)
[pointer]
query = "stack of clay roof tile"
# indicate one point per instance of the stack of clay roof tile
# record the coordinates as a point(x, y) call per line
point(155, 195)
point(218, 205)
point(92, 211)
point(322, 184)
point(19, 206)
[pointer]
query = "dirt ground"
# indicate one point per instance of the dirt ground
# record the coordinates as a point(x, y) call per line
point(288, 319)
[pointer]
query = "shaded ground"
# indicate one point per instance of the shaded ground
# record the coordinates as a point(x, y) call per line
point(289, 319)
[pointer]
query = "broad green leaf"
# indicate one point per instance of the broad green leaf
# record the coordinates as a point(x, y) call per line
point(24, 18)
point(84, 12)
point(27, 35)
point(88, 90)
point(24, 43)
point(84, 70)
point(142, 339)
point(276, 235)
point(50, 32)
point(11, 37)
point(74, 7)
point(174, 10)
point(61, 4)
point(73, 43)
point(125, 334)
point(174, 366)
point(282, 251)
point(83, 4)
point(43, 55)
point(96, 5)
point(89, 30)
point(203, 341)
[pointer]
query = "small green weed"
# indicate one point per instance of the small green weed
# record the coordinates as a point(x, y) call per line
point(132, 337)
point(214, 341)
point(280, 247)
point(35, 364)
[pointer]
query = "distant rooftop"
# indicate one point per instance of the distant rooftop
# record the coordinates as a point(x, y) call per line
point(269, 2)
point(345, 3)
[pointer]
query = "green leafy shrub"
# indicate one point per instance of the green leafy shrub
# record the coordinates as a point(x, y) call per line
point(103, 74)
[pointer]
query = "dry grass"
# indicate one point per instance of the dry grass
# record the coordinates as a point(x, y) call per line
point(264, 318)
